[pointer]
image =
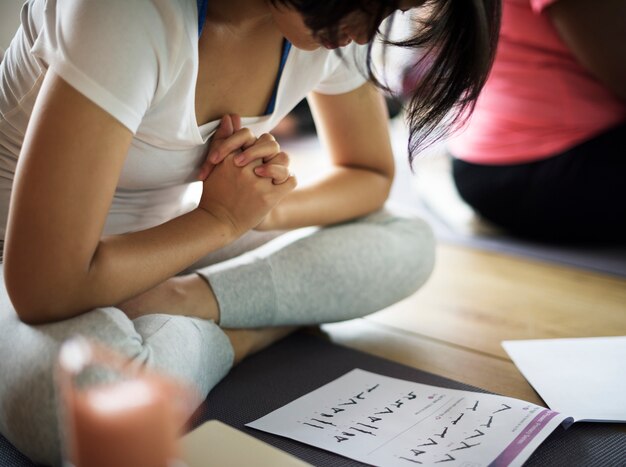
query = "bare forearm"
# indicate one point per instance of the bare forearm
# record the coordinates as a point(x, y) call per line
point(122, 267)
point(344, 194)
point(593, 32)
point(126, 265)
point(354, 129)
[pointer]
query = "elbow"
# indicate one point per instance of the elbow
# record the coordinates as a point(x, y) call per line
point(385, 182)
point(386, 174)
point(620, 91)
point(36, 312)
point(378, 190)
point(32, 317)
point(36, 302)
point(30, 309)
point(27, 311)
point(378, 183)
point(615, 83)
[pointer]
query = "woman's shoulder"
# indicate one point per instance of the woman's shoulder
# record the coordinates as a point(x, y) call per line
point(334, 71)
point(324, 61)
point(141, 17)
point(121, 54)
point(119, 31)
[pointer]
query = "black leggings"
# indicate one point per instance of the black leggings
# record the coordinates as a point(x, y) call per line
point(576, 196)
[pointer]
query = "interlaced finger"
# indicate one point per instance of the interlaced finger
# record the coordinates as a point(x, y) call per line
point(262, 149)
point(278, 173)
point(241, 139)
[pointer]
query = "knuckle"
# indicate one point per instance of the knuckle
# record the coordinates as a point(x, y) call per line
point(244, 134)
point(248, 151)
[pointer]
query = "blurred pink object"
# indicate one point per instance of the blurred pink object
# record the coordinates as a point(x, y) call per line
point(134, 420)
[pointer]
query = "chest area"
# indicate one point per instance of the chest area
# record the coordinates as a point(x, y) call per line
point(236, 76)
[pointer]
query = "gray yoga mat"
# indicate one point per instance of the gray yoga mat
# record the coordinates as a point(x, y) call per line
point(605, 259)
point(302, 363)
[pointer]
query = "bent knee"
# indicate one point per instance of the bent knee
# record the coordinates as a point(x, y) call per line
point(414, 242)
point(405, 247)
point(28, 397)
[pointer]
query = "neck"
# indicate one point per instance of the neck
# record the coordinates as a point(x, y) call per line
point(238, 13)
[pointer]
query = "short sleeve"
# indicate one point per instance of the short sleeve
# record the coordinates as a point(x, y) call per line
point(112, 51)
point(539, 5)
point(347, 72)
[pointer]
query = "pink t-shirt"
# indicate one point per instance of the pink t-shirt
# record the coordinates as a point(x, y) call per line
point(538, 101)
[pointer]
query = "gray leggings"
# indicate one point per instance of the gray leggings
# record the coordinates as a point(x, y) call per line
point(304, 277)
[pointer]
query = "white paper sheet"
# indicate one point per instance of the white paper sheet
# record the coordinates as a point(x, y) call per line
point(391, 422)
point(585, 378)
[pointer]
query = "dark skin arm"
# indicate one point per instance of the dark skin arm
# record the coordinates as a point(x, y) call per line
point(595, 32)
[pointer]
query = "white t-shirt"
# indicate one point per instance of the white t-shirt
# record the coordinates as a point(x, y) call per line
point(138, 60)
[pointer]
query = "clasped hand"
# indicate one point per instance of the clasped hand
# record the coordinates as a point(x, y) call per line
point(244, 177)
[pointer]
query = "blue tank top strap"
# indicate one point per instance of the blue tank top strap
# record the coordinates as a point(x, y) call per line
point(202, 6)
point(283, 59)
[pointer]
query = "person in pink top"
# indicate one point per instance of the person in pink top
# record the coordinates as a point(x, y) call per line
point(544, 154)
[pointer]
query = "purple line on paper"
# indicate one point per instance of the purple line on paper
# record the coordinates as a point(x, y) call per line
point(524, 438)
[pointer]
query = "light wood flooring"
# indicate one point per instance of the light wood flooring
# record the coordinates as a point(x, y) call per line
point(474, 300)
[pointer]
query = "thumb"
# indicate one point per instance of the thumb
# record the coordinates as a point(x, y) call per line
point(236, 122)
point(225, 128)
point(223, 131)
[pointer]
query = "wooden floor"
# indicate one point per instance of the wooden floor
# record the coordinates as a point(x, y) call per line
point(474, 300)
point(454, 325)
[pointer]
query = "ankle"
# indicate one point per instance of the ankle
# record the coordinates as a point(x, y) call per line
point(197, 296)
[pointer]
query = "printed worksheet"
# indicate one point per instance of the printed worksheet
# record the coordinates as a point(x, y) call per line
point(391, 422)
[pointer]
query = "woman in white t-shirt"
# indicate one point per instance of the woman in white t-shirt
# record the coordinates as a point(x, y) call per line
point(110, 110)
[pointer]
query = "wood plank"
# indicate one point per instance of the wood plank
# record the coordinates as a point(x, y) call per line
point(454, 325)
point(493, 374)
point(476, 299)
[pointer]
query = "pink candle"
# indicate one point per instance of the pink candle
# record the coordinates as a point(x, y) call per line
point(128, 423)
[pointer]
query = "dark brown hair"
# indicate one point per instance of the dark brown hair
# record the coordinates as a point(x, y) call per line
point(456, 40)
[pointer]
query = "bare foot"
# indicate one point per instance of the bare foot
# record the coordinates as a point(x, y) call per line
point(250, 341)
point(185, 295)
